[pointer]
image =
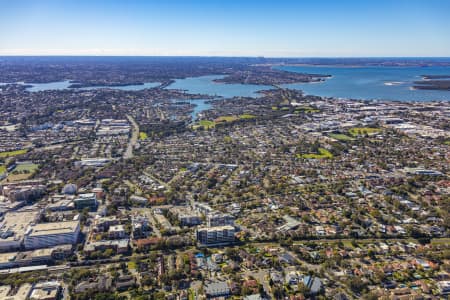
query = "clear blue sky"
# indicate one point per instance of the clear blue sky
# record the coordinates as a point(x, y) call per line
point(228, 27)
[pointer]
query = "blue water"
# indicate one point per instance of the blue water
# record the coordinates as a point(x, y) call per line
point(61, 85)
point(200, 105)
point(133, 87)
point(383, 83)
point(370, 82)
point(206, 85)
point(38, 87)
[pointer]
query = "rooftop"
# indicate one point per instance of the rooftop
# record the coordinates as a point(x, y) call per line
point(54, 228)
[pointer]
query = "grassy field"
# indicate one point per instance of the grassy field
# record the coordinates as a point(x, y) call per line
point(440, 241)
point(363, 130)
point(207, 124)
point(340, 137)
point(13, 153)
point(246, 116)
point(306, 109)
point(23, 172)
point(18, 177)
point(26, 167)
point(225, 119)
point(323, 153)
point(142, 135)
point(2, 169)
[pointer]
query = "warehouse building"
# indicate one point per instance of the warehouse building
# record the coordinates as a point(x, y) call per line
point(52, 234)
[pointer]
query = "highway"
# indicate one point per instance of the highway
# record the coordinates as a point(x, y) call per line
point(134, 137)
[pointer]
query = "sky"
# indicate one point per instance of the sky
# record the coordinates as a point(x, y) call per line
point(278, 28)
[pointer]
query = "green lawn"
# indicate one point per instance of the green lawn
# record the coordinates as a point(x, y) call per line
point(225, 119)
point(131, 265)
point(234, 118)
point(2, 169)
point(440, 241)
point(26, 167)
point(340, 137)
point(227, 139)
point(363, 130)
point(22, 172)
point(323, 153)
point(142, 135)
point(306, 109)
point(13, 153)
point(247, 116)
point(207, 124)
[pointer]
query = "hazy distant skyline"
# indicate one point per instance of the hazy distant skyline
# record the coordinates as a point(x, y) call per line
point(226, 28)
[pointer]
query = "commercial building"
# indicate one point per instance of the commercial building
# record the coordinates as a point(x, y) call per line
point(61, 203)
point(4, 291)
point(25, 258)
point(119, 246)
point(23, 292)
point(8, 260)
point(46, 291)
point(13, 228)
point(215, 236)
point(52, 234)
point(93, 162)
point(88, 200)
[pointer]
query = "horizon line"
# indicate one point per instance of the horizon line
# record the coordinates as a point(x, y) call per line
point(211, 56)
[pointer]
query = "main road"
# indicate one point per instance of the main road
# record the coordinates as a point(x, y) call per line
point(134, 137)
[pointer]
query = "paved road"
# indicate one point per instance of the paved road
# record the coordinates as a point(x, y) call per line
point(134, 137)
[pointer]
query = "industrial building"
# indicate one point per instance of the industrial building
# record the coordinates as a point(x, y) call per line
point(51, 234)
